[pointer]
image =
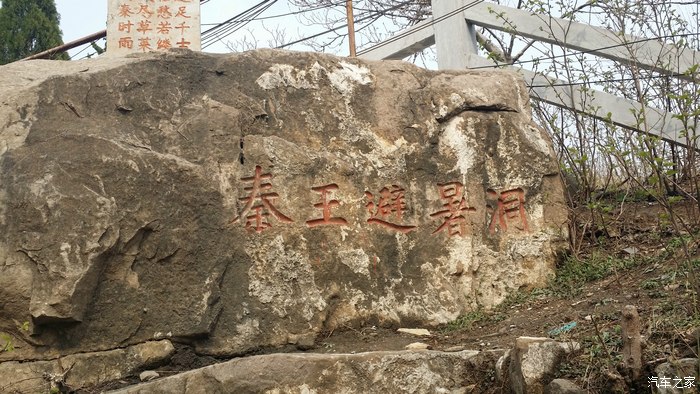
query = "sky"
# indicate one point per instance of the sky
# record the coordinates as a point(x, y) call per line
point(80, 18)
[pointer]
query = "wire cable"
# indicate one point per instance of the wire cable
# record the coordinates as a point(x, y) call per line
point(217, 32)
point(320, 7)
point(82, 50)
point(588, 51)
point(601, 81)
point(357, 20)
point(224, 29)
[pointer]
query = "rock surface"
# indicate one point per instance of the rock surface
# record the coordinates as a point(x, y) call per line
point(563, 386)
point(242, 201)
point(375, 372)
point(79, 371)
point(146, 376)
point(676, 377)
point(419, 332)
point(533, 362)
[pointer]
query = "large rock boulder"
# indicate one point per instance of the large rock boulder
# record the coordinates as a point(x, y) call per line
point(258, 199)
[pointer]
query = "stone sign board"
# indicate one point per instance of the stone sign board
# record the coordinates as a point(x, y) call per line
point(136, 26)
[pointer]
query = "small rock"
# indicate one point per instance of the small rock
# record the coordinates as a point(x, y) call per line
point(563, 386)
point(418, 346)
point(502, 368)
point(420, 332)
point(534, 361)
point(631, 250)
point(685, 369)
point(588, 318)
point(454, 349)
point(306, 342)
point(145, 376)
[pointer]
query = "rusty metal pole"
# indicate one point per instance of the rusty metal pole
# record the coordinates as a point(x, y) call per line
point(67, 46)
point(351, 28)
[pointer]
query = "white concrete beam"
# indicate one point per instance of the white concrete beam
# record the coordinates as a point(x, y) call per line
point(597, 104)
point(650, 54)
point(403, 44)
point(600, 105)
point(455, 40)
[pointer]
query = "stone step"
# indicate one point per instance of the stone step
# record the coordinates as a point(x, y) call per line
point(372, 372)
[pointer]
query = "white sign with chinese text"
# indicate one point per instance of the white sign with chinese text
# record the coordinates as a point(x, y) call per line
point(136, 26)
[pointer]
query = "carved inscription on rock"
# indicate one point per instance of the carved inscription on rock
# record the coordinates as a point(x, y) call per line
point(386, 209)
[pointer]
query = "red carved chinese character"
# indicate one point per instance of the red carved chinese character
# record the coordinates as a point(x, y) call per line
point(126, 42)
point(125, 26)
point(182, 26)
point(510, 206)
point(164, 44)
point(182, 11)
point(260, 202)
point(145, 44)
point(144, 27)
point(392, 202)
point(455, 208)
point(164, 27)
point(183, 44)
point(164, 12)
point(144, 10)
point(125, 10)
point(326, 206)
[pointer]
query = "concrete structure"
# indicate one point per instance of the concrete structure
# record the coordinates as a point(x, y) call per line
point(451, 29)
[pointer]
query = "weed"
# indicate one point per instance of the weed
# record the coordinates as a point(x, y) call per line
point(7, 346)
point(576, 271)
point(650, 284)
point(466, 321)
point(514, 298)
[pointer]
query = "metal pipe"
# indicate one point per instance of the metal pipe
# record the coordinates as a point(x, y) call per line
point(67, 46)
point(351, 28)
